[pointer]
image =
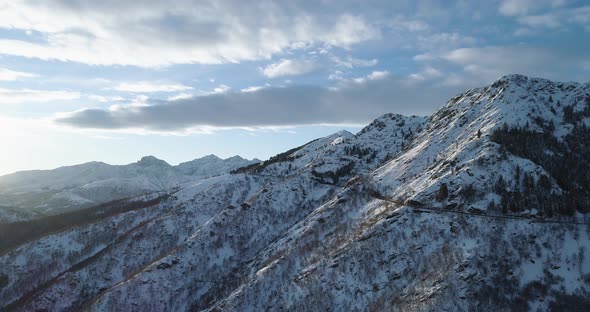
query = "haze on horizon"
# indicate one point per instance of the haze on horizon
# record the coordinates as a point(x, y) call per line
point(114, 81)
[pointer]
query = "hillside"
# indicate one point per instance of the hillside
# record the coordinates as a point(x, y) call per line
point(481, 206)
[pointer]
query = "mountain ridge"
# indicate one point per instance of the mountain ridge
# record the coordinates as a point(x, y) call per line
point(147, 157)
point(71, 187)
point(336, 224)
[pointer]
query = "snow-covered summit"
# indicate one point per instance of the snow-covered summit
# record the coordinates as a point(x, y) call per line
point(93, 183)
point(151, 161)
point(343, 155)
point(460, 145)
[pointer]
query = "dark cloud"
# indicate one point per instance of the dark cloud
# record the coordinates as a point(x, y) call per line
point(351, 102)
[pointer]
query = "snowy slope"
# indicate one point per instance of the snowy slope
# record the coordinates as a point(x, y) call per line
point(346, 223)
point(456, 149)
point(66, 188)
point(344, 154)
point(363, 252)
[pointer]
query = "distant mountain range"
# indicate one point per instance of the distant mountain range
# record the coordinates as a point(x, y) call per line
point(30, 194)
point(482, 206)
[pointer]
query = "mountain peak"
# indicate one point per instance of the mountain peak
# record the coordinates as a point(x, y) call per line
point(344, 133)
point(234, 158)
point(514, 77)
point(534, 83)
point(151, 161)
point(210, 157)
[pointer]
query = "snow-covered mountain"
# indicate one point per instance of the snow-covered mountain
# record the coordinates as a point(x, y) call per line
point(40, 192)
point(482, 206)
point(342, 155)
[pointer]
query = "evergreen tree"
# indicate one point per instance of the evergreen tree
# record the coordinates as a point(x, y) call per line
point(443, 192)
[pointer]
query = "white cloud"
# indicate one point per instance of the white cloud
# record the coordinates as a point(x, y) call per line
point(180, 96)
point(155, 33)
point(11, 75)
point(426, 73)
point(141, 99)
point(492, 62)
point(556, 19)
point(254, 88)
point(17, 96)
point(104, 99)
point(488, 63)
point(523, 7)
point(349, 30)
point(351, 62)
point(150, 86)
point(98, 98)
point(473, 67)
point(287, 67)
point(373, 76)
point(221, 89)
point(378, 75)
point(544, 14)
point(336, 75)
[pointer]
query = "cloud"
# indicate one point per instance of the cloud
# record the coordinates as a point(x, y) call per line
point(523, 7)
point(418, 33)
point(150, 86)
point(11, 75)
point(220, 89)
point(180, 96)
point(351, 62)
point(287, 67)
point(403, 23)
point(557, 18)
point(478, 66)
point(104, 99)
point(544, 14)
point(336, 75)
point(98, 98)
point(485, 64)
point(546, 20)
point(443, 40)
point(17, 96)
point(580, 15)
point(349, 30)
point(378, 75)
point(352, 102)
point(154, 33)
point(426, 73)
point(374, 75)
point(254, 88)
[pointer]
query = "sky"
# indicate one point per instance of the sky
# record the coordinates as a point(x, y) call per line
point(112, 81)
